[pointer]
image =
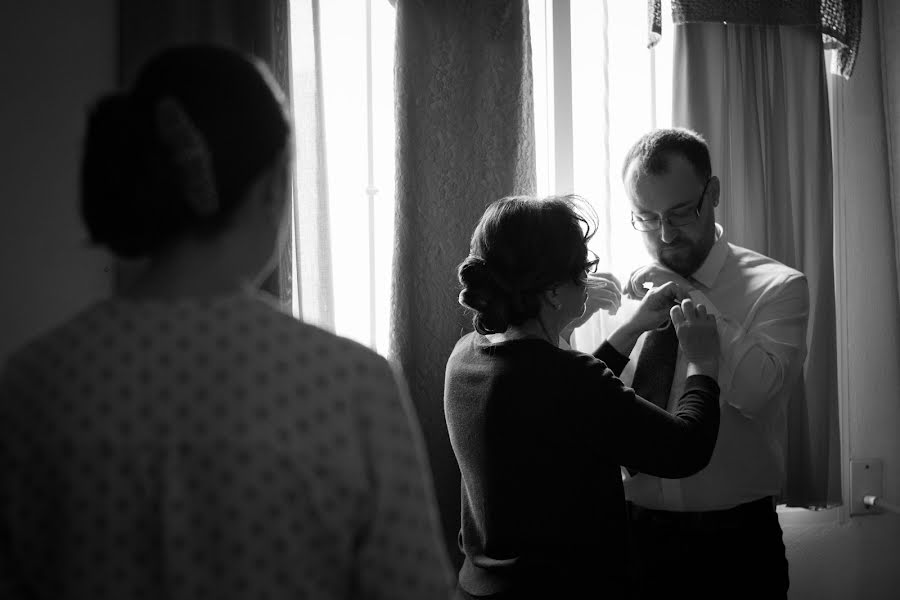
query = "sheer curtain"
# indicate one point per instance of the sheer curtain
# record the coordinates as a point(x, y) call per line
point(619, 91)
point(312, 293)
point(758, 94)
point(343, 101)
point(889, 13)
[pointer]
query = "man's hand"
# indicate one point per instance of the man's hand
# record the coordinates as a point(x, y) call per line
point(656, 274)
point(603, 292)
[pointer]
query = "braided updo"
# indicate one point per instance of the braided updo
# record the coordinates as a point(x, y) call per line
point(521, 247)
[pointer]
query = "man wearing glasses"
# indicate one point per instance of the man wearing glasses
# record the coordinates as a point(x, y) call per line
point(714, 534)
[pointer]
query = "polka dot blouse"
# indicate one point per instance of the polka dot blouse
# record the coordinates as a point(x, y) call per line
point(210, 449)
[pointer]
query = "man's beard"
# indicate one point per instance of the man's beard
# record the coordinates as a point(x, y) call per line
point(685, 262)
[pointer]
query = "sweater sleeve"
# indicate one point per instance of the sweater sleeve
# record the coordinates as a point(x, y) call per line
point(636, 433)
point(609, 355)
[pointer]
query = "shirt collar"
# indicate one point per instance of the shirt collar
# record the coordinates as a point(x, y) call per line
point(715, 260)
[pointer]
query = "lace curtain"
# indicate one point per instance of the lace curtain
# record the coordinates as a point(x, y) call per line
point(838, 20)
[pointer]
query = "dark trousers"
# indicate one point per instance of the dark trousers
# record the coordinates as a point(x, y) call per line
point(735, 554)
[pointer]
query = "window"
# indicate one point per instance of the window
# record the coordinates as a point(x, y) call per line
point(597, 88)
point(357, 57)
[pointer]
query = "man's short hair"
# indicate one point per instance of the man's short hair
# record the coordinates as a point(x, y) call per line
point(653, 150)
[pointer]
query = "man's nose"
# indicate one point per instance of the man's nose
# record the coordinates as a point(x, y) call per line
point(667, 233)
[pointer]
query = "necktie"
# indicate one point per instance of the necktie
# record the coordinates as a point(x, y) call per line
point(655, 368)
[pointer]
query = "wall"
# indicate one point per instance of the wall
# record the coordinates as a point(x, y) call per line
point(843, 557)
point(55, 57)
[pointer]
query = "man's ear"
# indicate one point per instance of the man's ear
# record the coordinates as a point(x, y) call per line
point(714, 190)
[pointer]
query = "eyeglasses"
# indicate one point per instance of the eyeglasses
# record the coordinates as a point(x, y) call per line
point(674, 219)
point(589, 267)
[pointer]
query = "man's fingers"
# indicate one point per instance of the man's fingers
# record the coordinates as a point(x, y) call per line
point(636, 282)
point(669, 289)
point(635, 293)
point(595, 281)
point(603, 294)
point(606, 305)
point(701, 311)
point(677, 315)
point(612, 279)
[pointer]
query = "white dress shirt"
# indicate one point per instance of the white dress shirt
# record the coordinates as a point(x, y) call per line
point(761, 309)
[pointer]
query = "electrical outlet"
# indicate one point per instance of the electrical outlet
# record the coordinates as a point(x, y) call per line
point(865, 480)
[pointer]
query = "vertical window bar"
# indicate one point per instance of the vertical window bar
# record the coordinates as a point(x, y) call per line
point(371, 190)
point(607, 172)
point(562, 97)
point(652, 87)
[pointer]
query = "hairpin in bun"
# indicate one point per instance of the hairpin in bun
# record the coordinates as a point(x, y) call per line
point(190, 154)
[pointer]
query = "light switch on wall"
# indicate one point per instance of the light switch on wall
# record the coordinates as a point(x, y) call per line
point(865, 480)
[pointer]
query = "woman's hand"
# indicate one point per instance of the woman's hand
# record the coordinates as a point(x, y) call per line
point(697, 332)
point(656, 274)
point(653, 310)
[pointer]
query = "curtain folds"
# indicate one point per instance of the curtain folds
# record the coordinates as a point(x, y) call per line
point(311, 218)
point(839, 21)
point(257, 27)
point(889, 20)
point(465, 138)
point(758, 95)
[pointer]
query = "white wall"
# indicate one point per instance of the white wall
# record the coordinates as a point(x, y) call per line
point(55, 57)
point(846, 557)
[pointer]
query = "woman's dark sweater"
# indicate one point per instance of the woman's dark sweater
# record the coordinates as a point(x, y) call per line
point(539, 434)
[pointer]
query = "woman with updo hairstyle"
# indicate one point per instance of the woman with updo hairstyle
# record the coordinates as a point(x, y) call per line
point(540, 431)
point(185, 438)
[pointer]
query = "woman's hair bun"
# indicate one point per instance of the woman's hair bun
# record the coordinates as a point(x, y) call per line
point(521, 247)
point(127, 198)
point(485, 295)
point(136, 192)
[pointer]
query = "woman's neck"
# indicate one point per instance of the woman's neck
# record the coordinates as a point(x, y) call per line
point(533, 328)
point(193, 270)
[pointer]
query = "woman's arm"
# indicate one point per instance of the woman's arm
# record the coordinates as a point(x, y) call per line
point(638, 434)
point(648, 438)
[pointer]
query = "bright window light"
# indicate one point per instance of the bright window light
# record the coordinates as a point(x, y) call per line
point(357, 59)
point(619, 90)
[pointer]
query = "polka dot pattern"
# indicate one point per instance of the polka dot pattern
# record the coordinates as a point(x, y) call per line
point(211, 449)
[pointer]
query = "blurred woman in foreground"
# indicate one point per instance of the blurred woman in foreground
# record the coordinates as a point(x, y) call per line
point(185, 438)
